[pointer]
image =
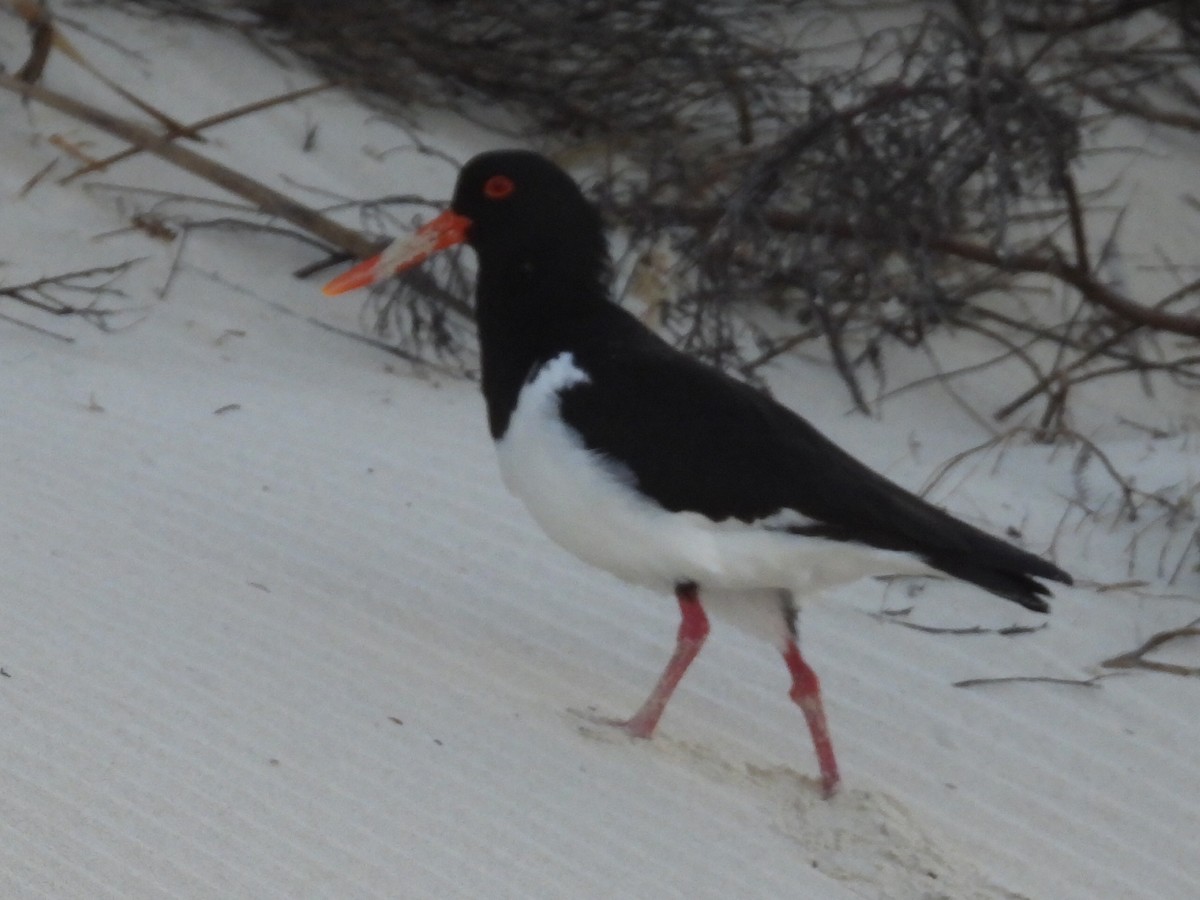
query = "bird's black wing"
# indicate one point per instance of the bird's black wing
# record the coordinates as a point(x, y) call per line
point(697, 440)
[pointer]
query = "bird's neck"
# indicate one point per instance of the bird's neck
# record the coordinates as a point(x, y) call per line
point(525, 316)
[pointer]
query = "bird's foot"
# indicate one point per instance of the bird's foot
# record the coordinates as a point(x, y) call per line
point(635, 727)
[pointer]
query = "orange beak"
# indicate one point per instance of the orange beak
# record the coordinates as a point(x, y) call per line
point(445, 231)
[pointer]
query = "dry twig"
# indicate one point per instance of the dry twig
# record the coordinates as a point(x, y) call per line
point(1007, 631)
point(267, 199)
point(1093, 682)
point(1136, 658)
point(196, 127)
point(46, 294)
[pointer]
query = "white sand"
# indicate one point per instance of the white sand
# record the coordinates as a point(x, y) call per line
point(308, 647)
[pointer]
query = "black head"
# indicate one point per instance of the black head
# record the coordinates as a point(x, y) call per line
point(537, 237)
point(543, 264)
point(529, 218)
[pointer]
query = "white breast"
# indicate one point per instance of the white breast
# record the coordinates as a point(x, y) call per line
point(588, 504)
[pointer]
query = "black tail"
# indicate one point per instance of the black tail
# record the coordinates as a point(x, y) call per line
point(997, 566)
point(1013, 584)
point(965, 552)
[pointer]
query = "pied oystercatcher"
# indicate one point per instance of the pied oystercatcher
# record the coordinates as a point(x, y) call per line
point(666, 472)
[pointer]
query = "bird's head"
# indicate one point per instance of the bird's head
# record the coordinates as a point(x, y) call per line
point(516, 209)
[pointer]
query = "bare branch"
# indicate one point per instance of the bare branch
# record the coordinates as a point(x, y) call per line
point(1093, 682)
point(43, 294)
point(197, 127)
point(1136, 658)
point(1007, 631)
point(267, 199)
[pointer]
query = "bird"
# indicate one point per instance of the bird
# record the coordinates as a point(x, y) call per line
point(666, 472)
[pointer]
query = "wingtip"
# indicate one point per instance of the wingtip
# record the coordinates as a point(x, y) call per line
point(1054, 573)
point(1035, 604)
point(1034, 600)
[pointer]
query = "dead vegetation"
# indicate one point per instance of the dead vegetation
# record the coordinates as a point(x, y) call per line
point(931, 182)
point(86, 294)
point(1136, 658)
point(866, 203)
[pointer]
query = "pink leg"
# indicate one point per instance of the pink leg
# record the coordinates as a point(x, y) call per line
point(806, 691)
point(693, 629)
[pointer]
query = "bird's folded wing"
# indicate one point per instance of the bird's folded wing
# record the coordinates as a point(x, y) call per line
point(697, 440)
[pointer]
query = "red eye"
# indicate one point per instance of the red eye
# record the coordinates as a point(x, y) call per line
point(498, 187)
